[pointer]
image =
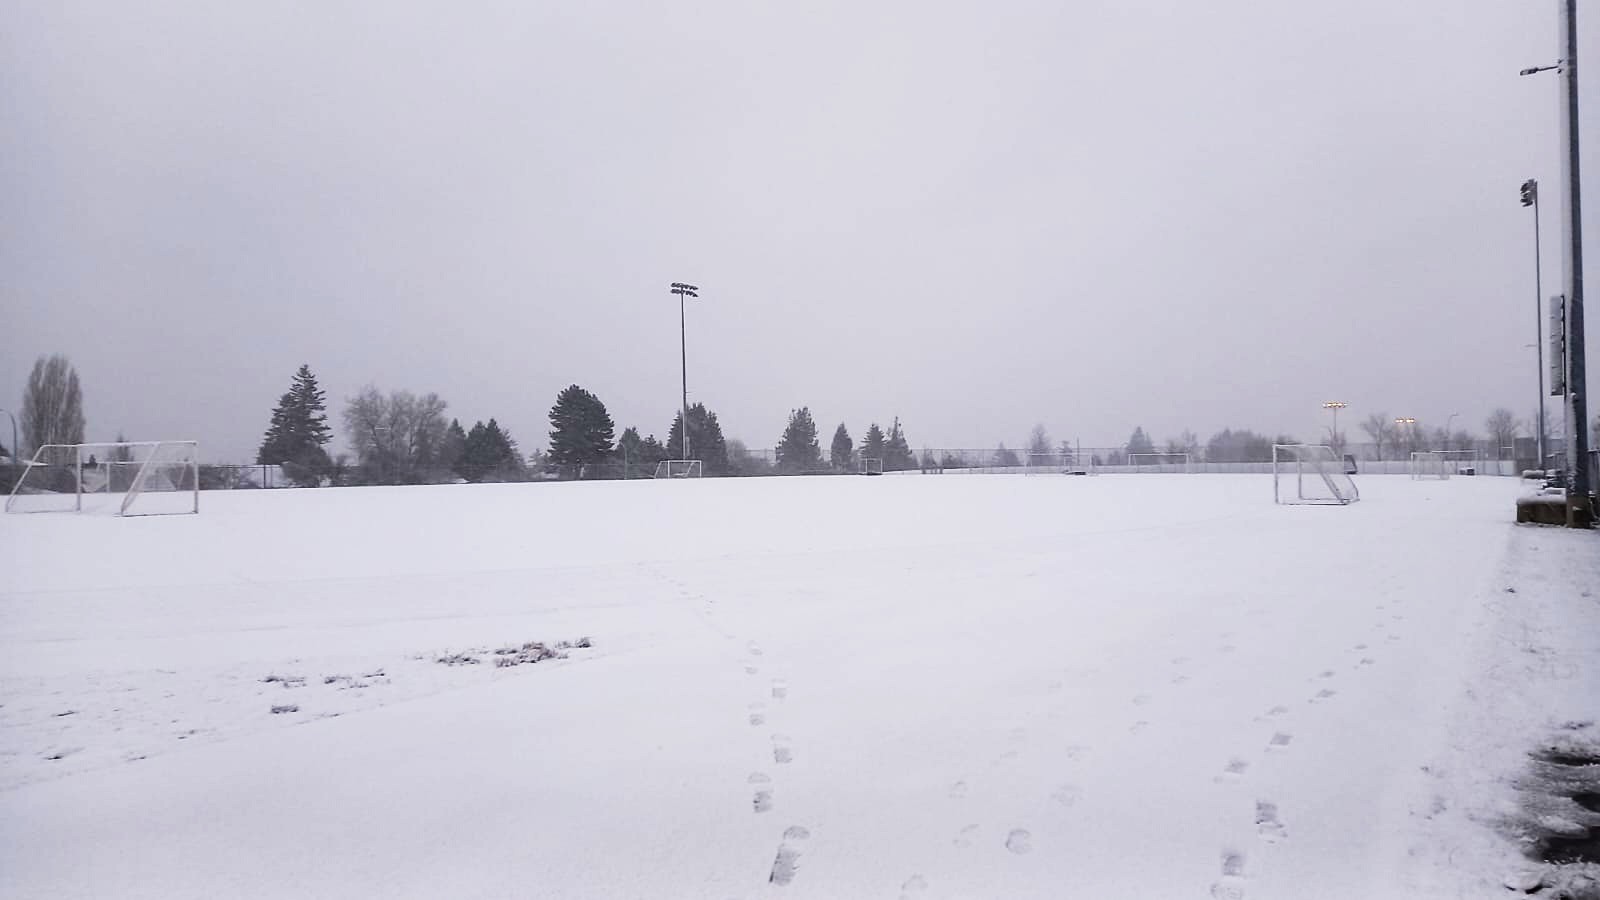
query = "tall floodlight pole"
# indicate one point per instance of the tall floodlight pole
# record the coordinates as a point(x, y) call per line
point(1530, 198)
point(1580, 513)
point(684, 290)
point(1335, 406)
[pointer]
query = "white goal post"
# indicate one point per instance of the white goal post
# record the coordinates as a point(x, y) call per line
point(679, 468)
point(124, 478)
point(1429, 465)
point(871, 465)
point(1161, 462)
point(1310, 474)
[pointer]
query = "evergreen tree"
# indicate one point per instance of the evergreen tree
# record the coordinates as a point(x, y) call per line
point(1004, 457)
point(897, 455)
point(839, 454)
point(872, 447)
point(1139, 442)
point(452, 451)
point(798, 450)
point(640, 455)
point(298, 431)
point(706, 442)
point(580, 430)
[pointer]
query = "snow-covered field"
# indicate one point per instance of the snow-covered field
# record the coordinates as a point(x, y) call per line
point(930, 687)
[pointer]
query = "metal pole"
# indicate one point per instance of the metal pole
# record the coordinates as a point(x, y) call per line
point(1538, 320)
point(1579, 511)
point(683, 334)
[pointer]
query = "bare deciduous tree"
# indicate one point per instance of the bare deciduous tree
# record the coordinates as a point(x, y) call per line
point(1502, 428)
point(52, 404)
point(396, 438)
point(1380, 429)
point(1039, 440)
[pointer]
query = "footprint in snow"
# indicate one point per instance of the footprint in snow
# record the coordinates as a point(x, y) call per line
point(1066, 794)
point(1325, 673)
point(1141, 700)
point(1234, 770)
point(1019, 841)
point(781, 754)
point(1366, 661)
point(787, 862)
point(1231, 885)
point(754, 648)
point(966, 836)
point(1138, 726)
point(1267, 823)
point(1280, 741)
point(1180, 679)
point(751, 670)
point(916, 884)
point(780, 689)
point(958, 790)
point(1324, 694)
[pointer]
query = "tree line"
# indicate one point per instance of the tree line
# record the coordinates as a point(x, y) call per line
point(404, 438)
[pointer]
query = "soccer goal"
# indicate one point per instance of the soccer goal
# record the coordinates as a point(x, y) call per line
point(1161, 462)
point(1310, 474)
point(1046, 463)
point(678, 468)
point(124, 478)
point(1463, 462)
point(1430, 465)
point(871, 465)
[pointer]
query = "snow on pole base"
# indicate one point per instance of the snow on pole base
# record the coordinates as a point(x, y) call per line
point(123, 478)
point(1310, 474)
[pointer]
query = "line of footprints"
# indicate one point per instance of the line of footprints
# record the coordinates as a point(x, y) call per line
point(1269, 825)
point(786, 862)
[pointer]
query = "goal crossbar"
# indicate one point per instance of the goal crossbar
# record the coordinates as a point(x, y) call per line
point(56, 471)
point(679, 468)
point(1310, 474)
point(1178, 462)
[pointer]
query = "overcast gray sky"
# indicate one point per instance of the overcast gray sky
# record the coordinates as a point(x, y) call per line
point(976, 216)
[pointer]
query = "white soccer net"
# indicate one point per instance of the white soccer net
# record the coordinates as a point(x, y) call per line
point(1047, 463)
point(1310, 474)
point(130, 478)
point(678, 468)
point(871, 465)
point(1161, 462)
point(1430, 465)
point(1463, 462)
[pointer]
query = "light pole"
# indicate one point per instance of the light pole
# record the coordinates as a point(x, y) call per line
point(1447, 421)
point(684, 290)
point(1530, 197)
point(1580, 513)
point(1401, 425)
point(1334, 406)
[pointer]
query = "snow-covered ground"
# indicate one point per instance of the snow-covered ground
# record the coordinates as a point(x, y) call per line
point(930, 687)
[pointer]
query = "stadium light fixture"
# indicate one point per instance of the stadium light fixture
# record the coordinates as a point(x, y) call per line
point(684, 290)
point(1334, 406)
point(1530, 198)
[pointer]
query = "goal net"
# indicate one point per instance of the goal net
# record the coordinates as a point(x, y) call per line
point(1047, 463)
point(1462, 462)
point(1310, 474)
point(678, 468)
point(1430, 465)
point(1160, 462)
point(871, 465)
point(125, 478)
